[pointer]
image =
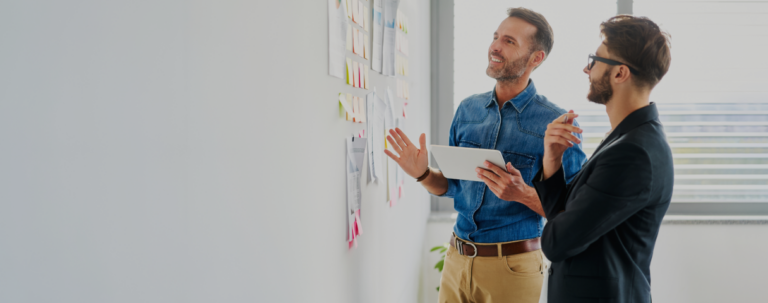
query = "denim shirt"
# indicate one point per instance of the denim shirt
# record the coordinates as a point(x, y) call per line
point(517, 130)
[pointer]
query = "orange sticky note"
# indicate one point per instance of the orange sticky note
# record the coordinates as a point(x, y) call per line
point(355, 74)
point(354, 10)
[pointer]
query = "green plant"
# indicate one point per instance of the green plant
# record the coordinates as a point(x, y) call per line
point(441, 249)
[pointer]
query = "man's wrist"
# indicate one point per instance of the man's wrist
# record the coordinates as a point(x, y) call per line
point(424, 175)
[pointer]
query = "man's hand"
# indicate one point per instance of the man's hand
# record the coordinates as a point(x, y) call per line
point(412, 160)
point(557, 139)
point(509, 185)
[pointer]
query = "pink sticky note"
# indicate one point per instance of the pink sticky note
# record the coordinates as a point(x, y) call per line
point(400, 192)
point(358, 225)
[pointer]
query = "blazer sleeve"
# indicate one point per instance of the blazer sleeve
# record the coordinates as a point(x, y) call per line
point(551, 192)
point(617, 187)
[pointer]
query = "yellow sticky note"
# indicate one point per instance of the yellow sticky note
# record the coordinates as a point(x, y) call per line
point(348, 5)
point(366, 47)
point(349, 71)
point(366, 19)
point(349, 107)
point(366, 77)
point(355, 74)
point(356, 109)
point(343, 106)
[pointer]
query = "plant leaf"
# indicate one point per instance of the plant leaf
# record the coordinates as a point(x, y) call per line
point(439, 265)
point(438, 289)
point(436, 248)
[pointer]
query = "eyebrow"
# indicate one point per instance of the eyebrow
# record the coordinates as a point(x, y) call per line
point(506, 36)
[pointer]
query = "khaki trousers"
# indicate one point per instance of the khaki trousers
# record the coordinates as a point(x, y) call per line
point(513, 278)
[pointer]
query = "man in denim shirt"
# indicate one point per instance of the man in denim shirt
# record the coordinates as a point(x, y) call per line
point(495, 253)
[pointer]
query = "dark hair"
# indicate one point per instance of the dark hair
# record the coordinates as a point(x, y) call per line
point(544, 37)
point(640, 43)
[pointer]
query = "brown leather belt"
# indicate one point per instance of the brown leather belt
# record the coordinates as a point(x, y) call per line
point(492, 250)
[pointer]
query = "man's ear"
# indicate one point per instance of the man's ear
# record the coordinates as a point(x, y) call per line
point(536, 58)
point(622, 74)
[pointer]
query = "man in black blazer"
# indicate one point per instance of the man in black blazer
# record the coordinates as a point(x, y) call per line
point(602, 227)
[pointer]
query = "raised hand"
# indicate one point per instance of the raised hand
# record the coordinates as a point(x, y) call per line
point(413, 160)
point(557, 139)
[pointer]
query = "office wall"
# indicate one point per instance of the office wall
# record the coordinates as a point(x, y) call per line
point(191, 151)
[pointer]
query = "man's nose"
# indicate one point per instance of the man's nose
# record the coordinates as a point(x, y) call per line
point(586, 70)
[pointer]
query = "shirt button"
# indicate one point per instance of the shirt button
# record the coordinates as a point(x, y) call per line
point(550, 271)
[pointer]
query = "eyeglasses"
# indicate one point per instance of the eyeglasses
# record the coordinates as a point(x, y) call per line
point(592, 59)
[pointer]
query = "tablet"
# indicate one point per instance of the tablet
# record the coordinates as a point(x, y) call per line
point(460, 162)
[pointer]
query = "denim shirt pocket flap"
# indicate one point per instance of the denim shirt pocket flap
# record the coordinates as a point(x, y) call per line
point(470, 144)
point(522, 162)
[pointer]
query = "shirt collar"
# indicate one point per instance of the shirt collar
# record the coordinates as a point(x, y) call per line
point(519, 102)
point(635, 119)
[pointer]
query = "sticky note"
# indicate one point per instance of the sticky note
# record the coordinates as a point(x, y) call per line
point(360, 75)
point(349, 71)
point(360, 13)
point(344, 108)
point(354, 41)
point(360, 38)
point(357, 222)
point(405, 115)
point(348, 5)
point(366, 20)
point(350, 114)
point(355, 74)
point(361, 113)
point(354, 10)
point(349, 38)
point(366, 47)
point(366, 77)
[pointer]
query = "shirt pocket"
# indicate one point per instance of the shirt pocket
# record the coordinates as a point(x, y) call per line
point(522, 162)
point(468, 143)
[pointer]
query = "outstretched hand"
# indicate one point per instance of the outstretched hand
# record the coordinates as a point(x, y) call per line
point(413, 160)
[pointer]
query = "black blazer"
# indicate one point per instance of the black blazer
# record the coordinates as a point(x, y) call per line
point(602, 227)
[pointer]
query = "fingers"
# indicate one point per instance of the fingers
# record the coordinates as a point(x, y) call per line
point(391, 155)
point(403, 137)
point(568, 127)
point(560, 140)
point(395, 146)
point(494, 168)
point(566, 118)
point(492, 185)
point(565, 134)
point(397, 138)
point(423, 142)
point(487, 174)
point(512, 170)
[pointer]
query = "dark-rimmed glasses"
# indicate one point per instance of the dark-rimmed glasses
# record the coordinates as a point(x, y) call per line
point(592, 59)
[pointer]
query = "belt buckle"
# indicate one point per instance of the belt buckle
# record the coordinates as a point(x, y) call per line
point(460, 248)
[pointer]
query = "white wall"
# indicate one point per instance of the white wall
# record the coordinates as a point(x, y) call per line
point(190, 151)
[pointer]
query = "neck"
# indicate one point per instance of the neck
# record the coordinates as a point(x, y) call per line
point(624, 103)
point(508, 90)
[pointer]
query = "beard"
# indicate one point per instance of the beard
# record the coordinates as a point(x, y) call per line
point(511, 71)
point(600, 91)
